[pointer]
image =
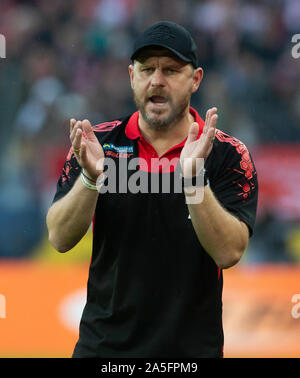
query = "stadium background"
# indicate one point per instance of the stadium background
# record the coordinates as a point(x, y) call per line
point(69, 59)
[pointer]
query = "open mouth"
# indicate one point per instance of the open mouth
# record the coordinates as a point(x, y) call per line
point(158, 100)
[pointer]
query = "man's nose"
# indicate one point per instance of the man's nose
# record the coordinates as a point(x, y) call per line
point(157, 79)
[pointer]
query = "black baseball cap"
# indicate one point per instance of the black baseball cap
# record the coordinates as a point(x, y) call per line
point(171, 36)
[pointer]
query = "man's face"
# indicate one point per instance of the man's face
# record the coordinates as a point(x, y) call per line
point(162, 87)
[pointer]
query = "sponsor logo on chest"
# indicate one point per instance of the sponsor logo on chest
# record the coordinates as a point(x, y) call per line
point(117, 151)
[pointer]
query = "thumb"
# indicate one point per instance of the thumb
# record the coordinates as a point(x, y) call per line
point(83, 154)
point(193, 133)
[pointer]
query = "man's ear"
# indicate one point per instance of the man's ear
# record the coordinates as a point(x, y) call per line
point(197, 78)
point(130, 70)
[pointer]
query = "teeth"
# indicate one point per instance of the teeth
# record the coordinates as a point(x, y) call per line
point(158, 103)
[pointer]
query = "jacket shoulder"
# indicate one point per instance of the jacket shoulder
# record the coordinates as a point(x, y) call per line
point(232, 149)
point(106, 126)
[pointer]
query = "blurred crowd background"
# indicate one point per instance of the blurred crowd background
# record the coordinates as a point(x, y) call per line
point(70, 59)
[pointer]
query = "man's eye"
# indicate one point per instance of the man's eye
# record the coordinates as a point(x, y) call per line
point(147, 69)
point(171, 70)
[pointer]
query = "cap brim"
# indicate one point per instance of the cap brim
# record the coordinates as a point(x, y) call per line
point(179, 55)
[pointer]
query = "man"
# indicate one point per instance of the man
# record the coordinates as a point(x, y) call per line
point(155, 278)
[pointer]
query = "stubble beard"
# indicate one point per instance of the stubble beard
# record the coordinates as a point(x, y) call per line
point(175, 115)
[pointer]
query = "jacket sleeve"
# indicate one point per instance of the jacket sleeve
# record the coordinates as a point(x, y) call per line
point(70, 172)
point(233, 178)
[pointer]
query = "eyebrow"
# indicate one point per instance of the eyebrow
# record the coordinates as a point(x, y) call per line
point(176, 64)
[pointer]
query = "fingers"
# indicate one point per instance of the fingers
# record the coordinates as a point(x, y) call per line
point(210, 119)
point(88, 130)
point(209, 129)
point(76, 134)
point(211, 135)
point(193, 133)
point(72, 124)
point(208, 134)
point(77, 142)
point(73, 129)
